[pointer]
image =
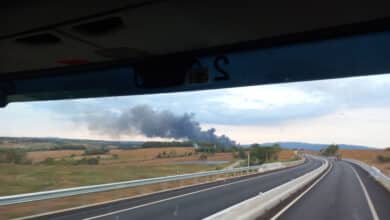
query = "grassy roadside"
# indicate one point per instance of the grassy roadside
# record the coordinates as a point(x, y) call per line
point(44, 206)
point(130, 165)
point(23, 178)
point(369, 157)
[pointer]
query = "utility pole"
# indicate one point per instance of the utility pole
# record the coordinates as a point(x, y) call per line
point(249, 159)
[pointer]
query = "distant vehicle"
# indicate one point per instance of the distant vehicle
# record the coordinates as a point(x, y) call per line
point(338, 157)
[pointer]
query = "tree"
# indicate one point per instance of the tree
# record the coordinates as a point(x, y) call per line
point(331, 150)
point(262, 154)
point(383, 159)
point(241, 153)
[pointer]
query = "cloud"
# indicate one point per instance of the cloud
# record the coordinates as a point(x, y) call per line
point(357, 92)
point(268, 104)
point(364, 126)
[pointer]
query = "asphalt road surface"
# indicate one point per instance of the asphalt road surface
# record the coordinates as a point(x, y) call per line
point(340, 196)
point(192, 202)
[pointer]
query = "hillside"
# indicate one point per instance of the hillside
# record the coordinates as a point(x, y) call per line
point(316, 147)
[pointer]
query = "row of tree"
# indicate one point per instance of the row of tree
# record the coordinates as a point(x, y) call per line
point(96, 150)
point(258, 154)
point(154, 144)
point(172, 154)
point(264, 154)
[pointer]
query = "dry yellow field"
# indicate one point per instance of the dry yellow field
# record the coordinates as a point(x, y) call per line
point(369, 157)
point(142, 156)
point(286, 155)
point(148, 155)
point(135, 156)
point(38, 156)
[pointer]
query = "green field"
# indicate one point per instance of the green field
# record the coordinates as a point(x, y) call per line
point(31, 178)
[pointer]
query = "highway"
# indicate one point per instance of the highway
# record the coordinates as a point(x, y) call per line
point(192, 202)
point(340, 195)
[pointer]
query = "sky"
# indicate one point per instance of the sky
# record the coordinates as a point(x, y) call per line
point(343, 111)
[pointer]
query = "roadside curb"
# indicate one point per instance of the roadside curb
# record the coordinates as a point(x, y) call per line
point(373, 171)
point(260, 205)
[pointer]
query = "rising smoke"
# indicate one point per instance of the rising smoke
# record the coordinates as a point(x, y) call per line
point(144, 120)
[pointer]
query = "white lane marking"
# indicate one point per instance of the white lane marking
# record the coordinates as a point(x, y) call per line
point(369, 201)
point(187, 194)
point(277, 215)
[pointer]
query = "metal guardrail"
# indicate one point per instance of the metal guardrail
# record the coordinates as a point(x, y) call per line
point(53, 194)
point(374, 172)
point(257, 206)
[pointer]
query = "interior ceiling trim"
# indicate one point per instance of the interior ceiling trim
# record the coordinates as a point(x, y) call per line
point(83, 18)
point(347, 30)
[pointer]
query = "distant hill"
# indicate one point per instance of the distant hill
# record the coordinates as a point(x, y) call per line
point(53, 143)
point(316, 147)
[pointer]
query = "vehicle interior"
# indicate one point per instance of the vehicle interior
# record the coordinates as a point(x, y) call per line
point(52, 49)
point(69, 52)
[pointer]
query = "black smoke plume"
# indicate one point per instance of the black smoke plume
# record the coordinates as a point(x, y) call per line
point(144, 120)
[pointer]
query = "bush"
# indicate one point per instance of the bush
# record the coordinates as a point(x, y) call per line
point(10, 155)
point(48, 161)
point(96, 150)
point(172, 153)
point(88, 161)
point(203, 157)
point(383, 159)
point(93, 161)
